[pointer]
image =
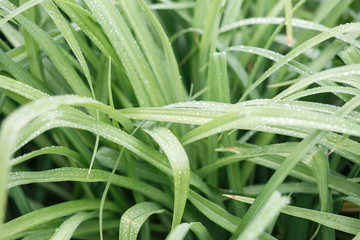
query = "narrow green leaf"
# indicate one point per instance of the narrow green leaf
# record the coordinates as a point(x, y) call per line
point(53, 51)
point(134, 217)
point(341, 223)
point(302, 48)
point(145, 87)
point(46, 214)
point(179, 163)
point(47, 150)
point(176, 86)
point(265, 216)
point(67, 229)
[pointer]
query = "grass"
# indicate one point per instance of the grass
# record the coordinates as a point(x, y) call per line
point(202, 119)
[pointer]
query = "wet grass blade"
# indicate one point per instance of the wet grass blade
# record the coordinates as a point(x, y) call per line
point(132, 220)
point(179, 163)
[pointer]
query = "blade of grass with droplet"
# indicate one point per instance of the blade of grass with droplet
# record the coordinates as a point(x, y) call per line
point(288, 16)
point(300, 68)
point(231, 14)
point(319, 166)
point(339, 222)
point(217, 214)
point(66, 31)
point(339, 74)
point(179, 163)
point(255, 117)
point(46, 214)
point(79, 175)
point(265, 216)
point(319, 90)
point(36, 67)
point(88, 25)
point(352, 27)
point(289, 163)
point(67, 229)
point(19, 73)
point(34, 94)
point(208, 40)
point(171, 5)
point(276, 154)
point(132, 220)
point(172, 84)
point(53, 51)
point(140, 75)
point(180, 231)
point(59, 150)
point(20, 9)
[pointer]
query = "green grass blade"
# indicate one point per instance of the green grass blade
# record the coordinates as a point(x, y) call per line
point(303, 147)
point(335, 221)
point(20, 9)
point(79, 174)
point(318, 163)
point(46, 214)
point(300, 49)
point(172, 66)
point(134, 217)
point(179, 163)
point(53, 51)
point(59, 150)
point(67, 229)
point(66, 31)
point(265, 216)
point(145, 86)
point(207, 43)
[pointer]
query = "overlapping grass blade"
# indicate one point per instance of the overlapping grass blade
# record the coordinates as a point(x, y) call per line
point(46, 214)
point(53, 51)
point(137, 69)
point(341, 223)
point(265, 216)
point(179, 163)
point(175, 84)
point(180, 231)
point(134, 217)
point(302, 148)
point(352, 27)
point(67, 229)
point(59, 150)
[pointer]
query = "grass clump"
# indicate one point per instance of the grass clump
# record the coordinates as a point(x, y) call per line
point(202, 119)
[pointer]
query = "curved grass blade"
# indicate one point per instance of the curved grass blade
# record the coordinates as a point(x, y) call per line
point(339, 74)
point(176, 86)
point(59, 150)
point(335, 221)
point(132, 220)
point(46, 214)
point(52, 50)
point(351, 27)
point(67, 229)
point(255, 117)
point(77, 119)
point(180, 231)
point(208, 39)
point(179, 163)
point(66, 31)
point(289, 163)
point(319, 166)
point(79, 175)
point(319, 90)
point(265, 216)
point(20, 9)
point(142, 79)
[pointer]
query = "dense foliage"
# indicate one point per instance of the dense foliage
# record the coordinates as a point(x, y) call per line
point(207, 119)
